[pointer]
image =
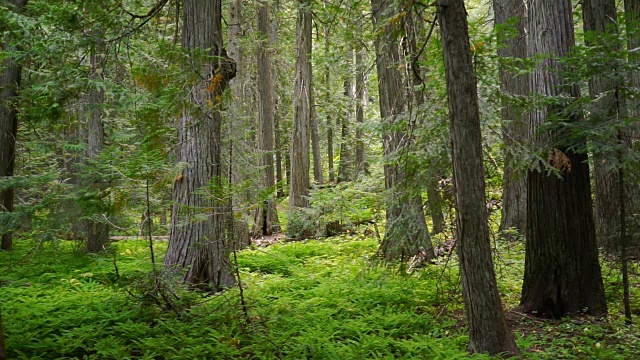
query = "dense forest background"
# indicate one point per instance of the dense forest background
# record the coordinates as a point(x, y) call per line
point(336, 179)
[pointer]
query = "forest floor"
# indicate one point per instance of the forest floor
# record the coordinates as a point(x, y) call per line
point(316, 299)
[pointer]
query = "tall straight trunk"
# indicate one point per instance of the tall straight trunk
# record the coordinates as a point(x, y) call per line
point(346, 163)
point(406, 228)
point(9, 84)
point(327, 84)
point(315, 143)
point(562, 274)
point(360, 88)
point(240, 148)
point(299, 179)
point(278, 114)
point(414, 72)
point(97, 231)
point(200, 244)
point(488, 329)
point(512, 45)
point(267, 216)
point(599, 17)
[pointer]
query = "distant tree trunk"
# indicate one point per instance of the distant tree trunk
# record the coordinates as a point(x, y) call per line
point(344, 169)
point(599, 17)
point(332, 176)
point(97, 231)
point(417, 97)
point(240, 147)
point(514, 126)
point(406, 231)
point(9, 84)
point(198, 241)
point(488, 329)
point(299, 179)
point(562, 274)
point(267, 216)
point(360, 88)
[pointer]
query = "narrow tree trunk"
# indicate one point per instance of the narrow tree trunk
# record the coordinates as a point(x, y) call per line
point(406, 229)
point(514, 127)
point(488, 329)
point(327, 85)
point(434, 198)
point(9, 84)
point(241, 148)
point(344, 170)
point(562, 274)
point(360, 88)
point(267, 216)
point(97, 231)
point(299, 179)
point(199, 244)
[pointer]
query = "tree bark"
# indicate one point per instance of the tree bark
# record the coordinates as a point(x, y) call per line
point(360, 88)
point(344, 169)
point(327, 78)
point(199, 242)
point(406, 229)
point(299, 179)
point(97, 231)
point(562, 274)
point(9, 85)
point(514, 126)
point(267, 216)
point(488, 329)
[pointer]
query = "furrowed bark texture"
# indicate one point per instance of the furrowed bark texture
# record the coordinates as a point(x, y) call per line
point(514, 127)
point(199, 243)
point(406, 229)
point(267, 215)
point(488, 329)
point(9, 84)
point(562, 274)
point(299, 178)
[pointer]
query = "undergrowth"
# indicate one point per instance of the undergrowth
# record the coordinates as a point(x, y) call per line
point(317, 299)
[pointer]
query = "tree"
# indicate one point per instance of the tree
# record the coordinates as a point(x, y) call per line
point(562, 274)
point(97, 230)
point(488, 329)
point(512, 44)
point(299, 179)
point(267, 215)
point(198, 244)
point(346, 163)
point(406, 233)
point(9, 84)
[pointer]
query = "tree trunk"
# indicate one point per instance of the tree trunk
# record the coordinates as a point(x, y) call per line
point(198, 241)
point(360, 88)
point(344, 169)
point(241, 147)
point(488, 329)
point(406, 229)
point(332, 176)
point(267, 216)
point(514, 126)
point(562, 274)
point(299, 179)
point(9, 84)
point(97, 231)
point(434, 198)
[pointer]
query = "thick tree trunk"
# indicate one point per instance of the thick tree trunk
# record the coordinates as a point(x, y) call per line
point(97, 231)
point(299, 179)
point(9, 84)
point(488, 329)
point(406, 229)
point(199, 242)
point(266, 220)
point(514, 127)
point(562, 274)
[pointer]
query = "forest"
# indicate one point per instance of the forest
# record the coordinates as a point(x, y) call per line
point(332, 179)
